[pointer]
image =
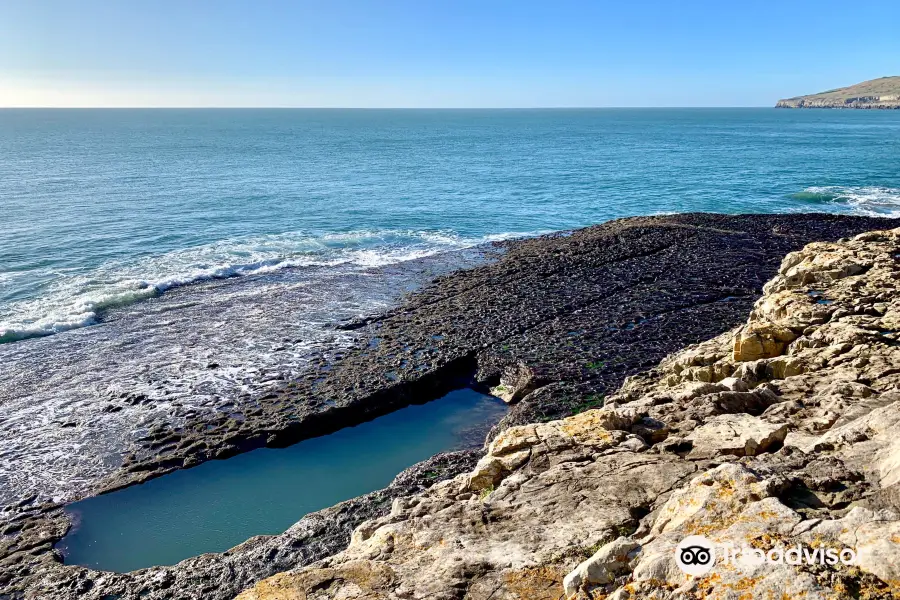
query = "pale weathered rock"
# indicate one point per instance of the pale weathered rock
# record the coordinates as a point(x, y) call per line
point(517, 381)
point(714, 496)
point(814, 370)
point(580, 435)
point(738, 434)
point(761, 340)
point(874, 535)
point(734, 384)
point(602, 567)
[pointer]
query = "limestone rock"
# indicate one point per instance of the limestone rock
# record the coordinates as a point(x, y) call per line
point(602, 567)
point(761, 340)
point(810, 361)
point(818, 354)
point(717, 495)
point(737, 434)
point(819, 362)
point(577, 436)
point(517, 381)
point(875, 537)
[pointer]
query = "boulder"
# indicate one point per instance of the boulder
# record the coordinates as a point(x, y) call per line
point(761, 340)
point(516, 382)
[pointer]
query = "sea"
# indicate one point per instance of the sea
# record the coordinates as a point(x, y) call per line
point(190, 256)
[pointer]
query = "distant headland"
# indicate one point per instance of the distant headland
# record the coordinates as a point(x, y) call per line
point(883, 92)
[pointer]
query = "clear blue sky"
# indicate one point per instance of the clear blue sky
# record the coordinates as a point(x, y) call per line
point(428, 53)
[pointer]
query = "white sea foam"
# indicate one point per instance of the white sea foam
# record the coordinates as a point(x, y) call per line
point(193, 354)
point(75, 301)
point(875, 201)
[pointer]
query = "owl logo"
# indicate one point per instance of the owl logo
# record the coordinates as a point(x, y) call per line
point(695, 555)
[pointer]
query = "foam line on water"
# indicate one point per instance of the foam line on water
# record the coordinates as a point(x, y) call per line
point(75, 301)
point(878, 201)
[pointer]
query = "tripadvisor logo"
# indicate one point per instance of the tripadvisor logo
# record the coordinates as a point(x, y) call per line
point(696, 555)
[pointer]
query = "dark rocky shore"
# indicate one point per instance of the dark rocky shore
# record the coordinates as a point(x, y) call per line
point(572, 314)
point(763, 463)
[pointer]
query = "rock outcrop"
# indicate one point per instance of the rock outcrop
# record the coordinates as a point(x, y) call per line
point(883, 92)
point(786, 442)
point(559, 321)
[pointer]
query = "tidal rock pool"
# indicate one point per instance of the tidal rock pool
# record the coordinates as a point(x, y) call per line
point(219, 504)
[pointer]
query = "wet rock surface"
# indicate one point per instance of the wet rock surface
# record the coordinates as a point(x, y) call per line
point(567, 316)
point(594, 505)
point(77, 405)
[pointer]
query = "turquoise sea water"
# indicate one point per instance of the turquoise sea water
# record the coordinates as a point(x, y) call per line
point(195, 259)
point(220, 504)
point(102, 208)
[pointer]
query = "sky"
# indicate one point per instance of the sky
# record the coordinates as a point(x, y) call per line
point(429, 53)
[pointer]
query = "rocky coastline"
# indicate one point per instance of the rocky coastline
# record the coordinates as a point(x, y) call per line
point(876, 94)
point(865, 103)
point(778, 434)
point(555, 324)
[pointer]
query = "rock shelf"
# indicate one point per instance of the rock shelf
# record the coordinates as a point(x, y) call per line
point(780, 433)
point(558, 322)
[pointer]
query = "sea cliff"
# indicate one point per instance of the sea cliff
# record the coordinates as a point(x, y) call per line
point(779, 433)
point(882, 93)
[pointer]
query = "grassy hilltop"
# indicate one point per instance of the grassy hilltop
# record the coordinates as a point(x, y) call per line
point(876, 93)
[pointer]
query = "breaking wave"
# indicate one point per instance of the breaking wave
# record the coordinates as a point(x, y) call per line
point(863, 200)
point(74, 301)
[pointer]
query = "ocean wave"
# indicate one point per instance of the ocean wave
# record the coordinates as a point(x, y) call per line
point(875, 201)
point(78, 301)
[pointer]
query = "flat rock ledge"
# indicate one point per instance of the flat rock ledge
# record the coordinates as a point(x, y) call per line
point(780, 433)
point(554, 325)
